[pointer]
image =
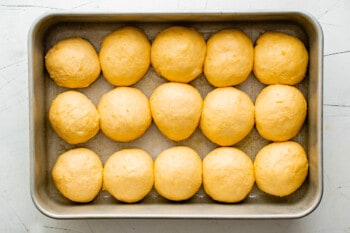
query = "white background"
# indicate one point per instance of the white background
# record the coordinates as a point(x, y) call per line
point(18, 214)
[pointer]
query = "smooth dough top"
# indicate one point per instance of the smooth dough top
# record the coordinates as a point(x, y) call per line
point(73, 63)
point(128, 175)
point(74, 117)
point(77, 174)
point(178, 53)
point(176, 109)
point(227, 116)
point(280, 59)
point(281, 168)
point(229, 59)
point(125, 114)
point(228, 174)
point(280, 112)
point(125, 56)
point(178, 173)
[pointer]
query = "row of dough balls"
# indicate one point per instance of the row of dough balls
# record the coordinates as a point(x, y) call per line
point(179, 54)
point(225, 117)
point(227, 173)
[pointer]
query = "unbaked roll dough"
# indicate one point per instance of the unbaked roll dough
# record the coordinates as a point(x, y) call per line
point(176, 109)
point(280, 112)
point(281, 168)
point(227, 116)
point(74, 117)
point(229, 59)
point(125, 56)
point(228, 174)
point(73, 63)
point(178, 173)
point(280, 59)
point(124, 114)
point(77, 174)
point(178, 53)
point(128, 175)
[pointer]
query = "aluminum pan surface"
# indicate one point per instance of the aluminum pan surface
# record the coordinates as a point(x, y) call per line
point(46, 146)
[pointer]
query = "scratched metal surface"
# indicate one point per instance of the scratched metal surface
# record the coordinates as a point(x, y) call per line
point(48, 145)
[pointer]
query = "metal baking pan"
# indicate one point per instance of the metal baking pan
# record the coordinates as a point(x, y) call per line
point(45, 146)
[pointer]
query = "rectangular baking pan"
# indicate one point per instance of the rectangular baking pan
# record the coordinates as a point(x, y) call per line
point(45, 146)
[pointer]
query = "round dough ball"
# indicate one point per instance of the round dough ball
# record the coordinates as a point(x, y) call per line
point(73, 63)
point(178, 53)
point(128, 175)
point(280, 112)
point(125, 114)
point(125, 56)
point(227, 116)
point(280, 59)
point(280, 168)
point(176, 109)
point(74, 117)
point(178, 173)
point(228, 174)
point(229, 59)
point(77, 174)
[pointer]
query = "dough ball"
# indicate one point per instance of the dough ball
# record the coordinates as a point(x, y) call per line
point(228, 174)
point(125, 56)
point(128, 175)
point(74, 117)
point(176, 109)
point(77, 174)
point(227, 116)
point(124, 114)
point(178, 173)
point(178, 53)
point(229, 59)
point(280, 112)
point(73, 63)
point(280, 168)
point(280, 59)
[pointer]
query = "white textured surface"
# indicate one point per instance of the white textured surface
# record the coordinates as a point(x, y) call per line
point(18, 214)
